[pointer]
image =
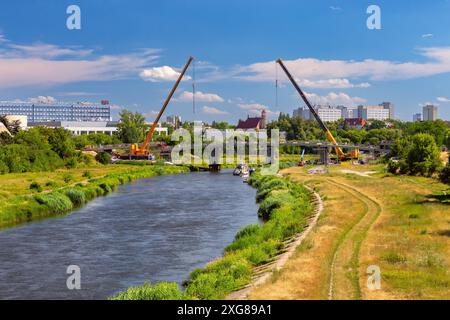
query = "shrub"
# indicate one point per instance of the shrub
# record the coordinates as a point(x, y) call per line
point(55, 202)
point(35, 186)
point(103, 158)
point(87, 174)
point(51, 184)
point(77, 196)
point(67, 177)
point(160, 291)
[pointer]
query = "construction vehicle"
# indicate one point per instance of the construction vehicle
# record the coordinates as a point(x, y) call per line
point(142, 152)
point(302, 163)
point(354, 154)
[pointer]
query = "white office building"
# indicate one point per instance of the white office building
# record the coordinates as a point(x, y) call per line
point(374, 113)
point(326, 113)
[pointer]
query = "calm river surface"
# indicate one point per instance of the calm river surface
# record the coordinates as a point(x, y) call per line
point(157, 229)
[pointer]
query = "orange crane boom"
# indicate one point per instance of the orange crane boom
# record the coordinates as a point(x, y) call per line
point(142, 150)
point(341, 155)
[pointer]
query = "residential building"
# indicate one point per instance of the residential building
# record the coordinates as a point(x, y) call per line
point(255, 123)
point(374, 113)
point(174, 121)
point(429, 112)
point(389, 106)
point(58, 111)
point(326, 113)
point(348, 112)
point(417, 117)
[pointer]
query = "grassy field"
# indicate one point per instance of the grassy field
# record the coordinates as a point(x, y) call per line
point(379, 219)
point(34, 195)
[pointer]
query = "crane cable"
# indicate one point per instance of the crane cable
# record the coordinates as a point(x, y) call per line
point(276, 86)
point(193, 87)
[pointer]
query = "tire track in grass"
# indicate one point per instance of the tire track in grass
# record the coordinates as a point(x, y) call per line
point(346, 252)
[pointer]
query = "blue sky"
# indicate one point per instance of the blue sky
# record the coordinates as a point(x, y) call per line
point(130, 51)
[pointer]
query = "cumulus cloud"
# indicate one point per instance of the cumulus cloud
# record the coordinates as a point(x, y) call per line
point(186, 96)
point(333, 98)
point(443, 99)
point(164, 73)
point(42, 99)
point(438, 62)
point(253, 106)
point(48, 65)
point(211, 110)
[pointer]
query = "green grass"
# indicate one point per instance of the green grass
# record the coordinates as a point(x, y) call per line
point(253, 245)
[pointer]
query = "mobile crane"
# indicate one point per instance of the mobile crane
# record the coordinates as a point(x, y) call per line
point(354, 154)
point(141, 152)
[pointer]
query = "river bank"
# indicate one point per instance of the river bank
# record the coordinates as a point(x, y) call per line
point(284, 205)
point(155, 229)
point(60, 192)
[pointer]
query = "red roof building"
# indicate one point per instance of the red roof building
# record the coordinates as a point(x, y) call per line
point(358, 123)
point(255, 123)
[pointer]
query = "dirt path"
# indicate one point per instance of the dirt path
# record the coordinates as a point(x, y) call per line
point(345, 279)
point(263, 273)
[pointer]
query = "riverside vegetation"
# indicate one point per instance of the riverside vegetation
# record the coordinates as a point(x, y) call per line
point(27, 207)
point(284, 205)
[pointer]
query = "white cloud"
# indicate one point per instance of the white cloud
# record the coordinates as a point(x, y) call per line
point(79, 94)
point(41, 50)
point(333, 98)
point(42, 99)
point(438, 62)
point(49, 65)
point(164, 73)
point(211, 110)
point(427, 35)
point(186, 96)
point(334, 8)
point(253, 106)
point(443, 99)
point(331, 83)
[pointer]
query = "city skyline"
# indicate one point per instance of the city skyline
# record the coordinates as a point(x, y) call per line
point(131, 55)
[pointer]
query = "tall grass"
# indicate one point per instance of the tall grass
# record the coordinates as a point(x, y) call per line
point(285, 206)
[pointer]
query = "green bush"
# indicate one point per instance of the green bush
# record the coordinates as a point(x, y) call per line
point(55, 202)
point(160, 291)
point(77, 196)
point(88, 174)
point(35, 186)
point(103, 158)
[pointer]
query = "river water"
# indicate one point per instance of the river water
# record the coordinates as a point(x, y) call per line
point(157, 229)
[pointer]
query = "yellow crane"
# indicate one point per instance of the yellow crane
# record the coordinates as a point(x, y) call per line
point(354, 154)
point(141, 152)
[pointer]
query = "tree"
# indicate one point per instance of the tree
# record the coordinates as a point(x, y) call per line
point(377, 124)
point(132, 127)
point(424, 155)
point(103, 157)
point(61, 142)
